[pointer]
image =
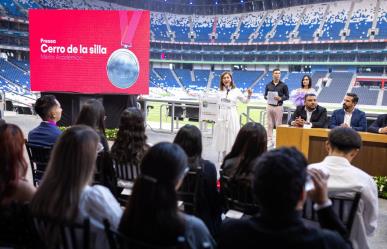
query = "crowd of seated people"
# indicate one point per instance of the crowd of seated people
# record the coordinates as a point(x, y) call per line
point(276, 179)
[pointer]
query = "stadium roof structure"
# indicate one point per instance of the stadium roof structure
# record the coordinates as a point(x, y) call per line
point(211, 7)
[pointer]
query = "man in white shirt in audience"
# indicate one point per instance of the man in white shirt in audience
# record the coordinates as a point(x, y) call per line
point(343, 145)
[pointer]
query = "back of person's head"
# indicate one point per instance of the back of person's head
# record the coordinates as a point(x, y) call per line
point(92, 114)
point(279, 180)
point(44, 105)
point(69, 170)
point(13, 165)
point(151, 214)
point(130, 144)
point(250, 143)
point(189, 138)
point(344, 139)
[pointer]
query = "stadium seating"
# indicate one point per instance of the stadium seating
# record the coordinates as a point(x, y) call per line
point(158, 27)
point(201, 78)
point(202, 26)
point(12, 8)
point(311, 21)
point(244, 79)
point(248, 25)
point(180, 25)
point(14, 74)
point(337, 89)
point(335, 20)
point(167, 78)
point(366, 95)
point(185, 78)
point(226, 26)
point(287, 24)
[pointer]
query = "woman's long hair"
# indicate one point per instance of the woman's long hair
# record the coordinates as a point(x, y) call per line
point(310, 81)
point(93, 114)
point(221, 86)
point(130, 145)
point(13, 165)
point(69, 170)
point(151, 214)
point(250, 143)
point(189, 138)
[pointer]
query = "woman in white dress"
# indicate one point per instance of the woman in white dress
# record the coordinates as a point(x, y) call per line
point(227, 126)
point(297, 95)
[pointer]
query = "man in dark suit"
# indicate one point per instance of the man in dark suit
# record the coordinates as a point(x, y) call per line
point(349, 116)
point(46, 134)
point(279, 186)
point(380, 125)
point(310, 114)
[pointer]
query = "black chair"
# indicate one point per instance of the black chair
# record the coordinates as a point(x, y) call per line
point(192, 113)
point(237, 196)
point(64, 235)
point(104, 173)
point(344, 204)
point(179, 111)
point(126, 174)
point(16, 227)
point(119, 241)
point(39, 157)
point(188, 190)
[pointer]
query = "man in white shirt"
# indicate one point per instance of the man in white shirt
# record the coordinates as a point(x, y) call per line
point(343, 145)
point(309, 115)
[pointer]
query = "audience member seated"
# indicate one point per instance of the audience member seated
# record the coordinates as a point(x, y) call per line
point(250, 143)
point(380, 125)
point(93, 115)
point(152, 215)
point(208, 207)
point(349, 116)
point(130, 145)
point(279, 185)
point(309, 115)
point(65, 193)
point(14, 186)
point(297, 96)
point(343, 145)
point(46, 134)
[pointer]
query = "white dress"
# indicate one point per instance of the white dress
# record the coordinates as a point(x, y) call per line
point(227, 126)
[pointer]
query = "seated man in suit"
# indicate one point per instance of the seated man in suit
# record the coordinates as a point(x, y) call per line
point(349, 116)
point(343, 145)
point(46, 134)
point(310, 114)
point(279, 186)
point(380, 125)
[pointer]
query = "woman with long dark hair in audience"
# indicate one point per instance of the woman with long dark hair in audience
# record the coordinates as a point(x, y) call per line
point(130, 144)
point(93, 114)
point(14, 186)
point(208, 209)
point(251, 142)
point(65, 193)
point(152, 215)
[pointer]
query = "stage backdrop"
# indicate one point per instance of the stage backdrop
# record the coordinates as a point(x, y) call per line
point(89, 51)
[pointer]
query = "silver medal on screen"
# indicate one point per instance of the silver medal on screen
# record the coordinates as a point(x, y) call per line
point(123, 68)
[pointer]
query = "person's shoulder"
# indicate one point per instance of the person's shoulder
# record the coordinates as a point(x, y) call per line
point(195, 225)
point(332, 239)
point(321, 108)
point(360, 112)
point(300, 108)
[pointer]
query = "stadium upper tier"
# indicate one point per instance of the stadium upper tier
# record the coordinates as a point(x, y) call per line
point(334, 21)
point(338, 21)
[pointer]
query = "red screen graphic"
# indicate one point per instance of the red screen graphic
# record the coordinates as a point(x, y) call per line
point(89, 51)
